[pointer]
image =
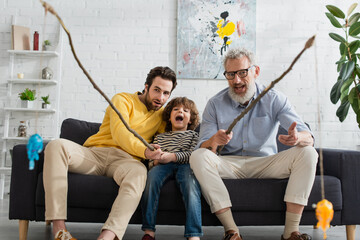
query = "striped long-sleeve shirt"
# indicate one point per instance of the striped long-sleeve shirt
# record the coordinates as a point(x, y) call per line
point(182, 143)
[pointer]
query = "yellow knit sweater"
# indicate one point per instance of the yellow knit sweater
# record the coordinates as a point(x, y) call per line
point(113, 133)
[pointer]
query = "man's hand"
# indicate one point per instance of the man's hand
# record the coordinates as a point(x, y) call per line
point(221, 138)
point(294, 137)
point(153, 155)
point(218, 139)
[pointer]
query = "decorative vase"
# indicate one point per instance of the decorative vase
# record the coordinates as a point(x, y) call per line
point(27, 104)
point(47, 73)
point(45, 106)
point(22, 129)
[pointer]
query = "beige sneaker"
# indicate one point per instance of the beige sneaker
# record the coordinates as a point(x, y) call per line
point(63, 235)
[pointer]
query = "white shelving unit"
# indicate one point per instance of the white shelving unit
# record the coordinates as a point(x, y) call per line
point(44, 121)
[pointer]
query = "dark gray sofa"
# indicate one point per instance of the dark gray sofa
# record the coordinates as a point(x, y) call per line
point(255, 201)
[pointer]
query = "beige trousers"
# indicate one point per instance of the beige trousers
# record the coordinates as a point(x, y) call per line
point(297, 163)
point(62, 155)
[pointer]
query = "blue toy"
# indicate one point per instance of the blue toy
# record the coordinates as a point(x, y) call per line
point(34, 147)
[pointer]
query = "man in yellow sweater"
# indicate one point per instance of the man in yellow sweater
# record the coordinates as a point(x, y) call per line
point(113, 152)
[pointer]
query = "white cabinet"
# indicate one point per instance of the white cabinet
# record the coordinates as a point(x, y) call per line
point(39, 120)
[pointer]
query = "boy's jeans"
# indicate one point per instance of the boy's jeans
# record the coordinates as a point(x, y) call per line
point(190, 190)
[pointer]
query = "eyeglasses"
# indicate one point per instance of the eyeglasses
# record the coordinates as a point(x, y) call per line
point(241, 73)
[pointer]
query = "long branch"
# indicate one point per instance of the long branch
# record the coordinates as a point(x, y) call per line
point(308, 44)
point(51, 10)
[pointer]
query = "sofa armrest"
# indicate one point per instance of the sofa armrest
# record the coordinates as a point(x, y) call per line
point(23, 184)
point(345, 165)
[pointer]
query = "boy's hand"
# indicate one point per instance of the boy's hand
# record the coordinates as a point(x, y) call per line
point(153, 155)
point(167, 157)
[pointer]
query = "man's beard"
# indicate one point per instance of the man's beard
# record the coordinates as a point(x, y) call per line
point(250, 91)
point(148, 103)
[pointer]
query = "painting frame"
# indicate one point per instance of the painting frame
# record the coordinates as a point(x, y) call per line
point(207, 29)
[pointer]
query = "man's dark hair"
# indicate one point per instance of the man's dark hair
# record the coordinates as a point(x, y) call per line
point(163, 72)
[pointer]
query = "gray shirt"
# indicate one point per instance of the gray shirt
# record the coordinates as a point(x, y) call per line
point(255, 134)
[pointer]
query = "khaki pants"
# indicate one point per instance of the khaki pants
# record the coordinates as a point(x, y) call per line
point(297, 163)
point(62, 155)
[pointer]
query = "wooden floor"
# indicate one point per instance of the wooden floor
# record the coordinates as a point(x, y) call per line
point(87, 231)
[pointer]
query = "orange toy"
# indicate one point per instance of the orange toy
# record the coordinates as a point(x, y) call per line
point(324, 214)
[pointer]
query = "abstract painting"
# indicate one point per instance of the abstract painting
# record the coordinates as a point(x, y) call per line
point(207, 29)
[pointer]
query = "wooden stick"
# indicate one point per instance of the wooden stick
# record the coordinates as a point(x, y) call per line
point(308, 44)
point(49, 8)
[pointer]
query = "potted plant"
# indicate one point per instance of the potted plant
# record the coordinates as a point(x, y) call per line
point(46, 103)
point(347, 87)
point(46, 45)
point(27, 98)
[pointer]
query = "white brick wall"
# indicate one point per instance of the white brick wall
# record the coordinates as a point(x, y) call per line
point(119, 41)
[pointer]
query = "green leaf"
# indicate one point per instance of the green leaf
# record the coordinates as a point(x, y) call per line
point(347, 84)
point(354, 100)
point(353, 97)
point(342, 48)
point(345, 88)
point(354, 29)
point(342, 60)
point(335, 11)
point(343, 110)
point(28, 95)
point(337, 37)
point(354, 46)
point(351, 8)
point(333, 20)
point(357, 70)
point(347, 69)
point(353, 57)
point(339, 67)
point(335, 91)
point(354, 18)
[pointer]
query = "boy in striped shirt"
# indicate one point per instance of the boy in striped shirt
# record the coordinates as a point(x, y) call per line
point(176, 143)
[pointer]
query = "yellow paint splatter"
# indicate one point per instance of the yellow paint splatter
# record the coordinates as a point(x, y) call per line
point(225, 31)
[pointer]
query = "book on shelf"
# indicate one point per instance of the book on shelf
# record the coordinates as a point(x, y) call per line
point(20, 38)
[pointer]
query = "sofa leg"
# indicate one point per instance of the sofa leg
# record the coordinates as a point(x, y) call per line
point(48, 222)
point(350, 232)
point(23, 229)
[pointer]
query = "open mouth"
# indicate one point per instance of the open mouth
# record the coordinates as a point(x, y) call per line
point(179, 118)
point(157, 103)
point(240, 88)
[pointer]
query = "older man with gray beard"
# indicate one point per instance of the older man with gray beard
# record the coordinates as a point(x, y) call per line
point(250, 150)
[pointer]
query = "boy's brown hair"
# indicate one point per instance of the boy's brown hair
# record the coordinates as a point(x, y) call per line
point(187, 103)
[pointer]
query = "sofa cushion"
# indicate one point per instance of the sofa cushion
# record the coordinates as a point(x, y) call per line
point(268, 194)
point(78, 130)
point(84, 191)
point(88, 191)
